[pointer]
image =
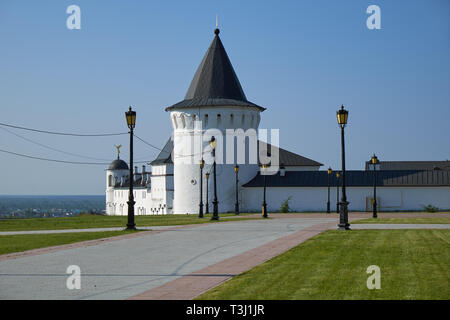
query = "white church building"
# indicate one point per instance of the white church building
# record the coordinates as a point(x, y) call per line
point(214, 104)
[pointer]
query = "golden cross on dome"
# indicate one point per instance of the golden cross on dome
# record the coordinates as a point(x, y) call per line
point(118, 150)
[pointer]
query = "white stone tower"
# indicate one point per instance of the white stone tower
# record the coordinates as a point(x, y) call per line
point(216, 99)
point(116, 174)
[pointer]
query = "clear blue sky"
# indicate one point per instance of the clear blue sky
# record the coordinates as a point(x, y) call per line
point(299, 59)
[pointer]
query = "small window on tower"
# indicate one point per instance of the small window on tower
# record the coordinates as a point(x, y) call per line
point(231, 118)
point(206, 120)
point(219, 119)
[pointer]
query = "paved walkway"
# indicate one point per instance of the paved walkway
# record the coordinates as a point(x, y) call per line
point(170, 263)
point(128, 267)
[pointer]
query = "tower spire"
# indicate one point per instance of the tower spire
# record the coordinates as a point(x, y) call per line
point(217, 31)
point(215, 83)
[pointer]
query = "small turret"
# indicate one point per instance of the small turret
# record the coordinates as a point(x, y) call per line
point(115, 174)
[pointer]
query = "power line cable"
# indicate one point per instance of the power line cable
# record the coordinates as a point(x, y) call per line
point(149, 144)
point(51, 148)
point(83, 135)
point(53, 160)
point(73, 154)
point(63, 133)
point(62, 151)
point(57, 160)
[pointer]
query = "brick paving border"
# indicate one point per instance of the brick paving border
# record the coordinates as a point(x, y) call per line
point(190, 286)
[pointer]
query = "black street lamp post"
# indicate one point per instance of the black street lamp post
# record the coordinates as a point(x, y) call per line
point(200, 209)
point(264, 204)
point(342, 116)
point(375, 163)
point(207, 197)
point(215, 216)
point(328, 202)
point(236, 206)
point(338, 175)
point(131, 122)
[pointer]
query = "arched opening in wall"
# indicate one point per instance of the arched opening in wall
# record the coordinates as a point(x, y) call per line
point(110, 180)
point(183, 121)
point(243, 119)
point(206, 120)
point(252, 119)
point(231, 119)
point(219, 119)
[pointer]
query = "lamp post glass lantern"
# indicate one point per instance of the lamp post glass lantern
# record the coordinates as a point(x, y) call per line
point(342, 117)
point(375, 163)
point(236, 206)
point(328, 201)
point(212, 144)
point(130, 116)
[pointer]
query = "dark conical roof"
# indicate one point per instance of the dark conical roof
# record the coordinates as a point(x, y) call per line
point(215, 83)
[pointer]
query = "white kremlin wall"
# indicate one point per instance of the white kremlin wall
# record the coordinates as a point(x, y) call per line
point(315, 198)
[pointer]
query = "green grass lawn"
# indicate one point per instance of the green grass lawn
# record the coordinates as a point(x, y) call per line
point(415, 264)
point(444, 220)
point(18, 243)
point(99, 221)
